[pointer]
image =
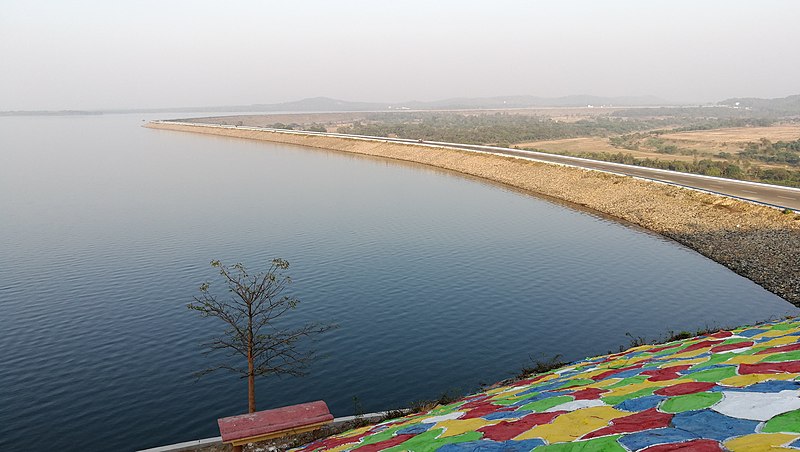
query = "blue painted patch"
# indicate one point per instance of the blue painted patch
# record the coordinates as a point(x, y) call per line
point(506, 415)
point(647, 438)
point(700, 369)
point(414, 429)
point(764, 386)
point(640, 403)
point(713, 425)
point(542, 396)
point(702, 355)
point(795, 444)
point(751, 333)
point(493, 446)
point(628, 373)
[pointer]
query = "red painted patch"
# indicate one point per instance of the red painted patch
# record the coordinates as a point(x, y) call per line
point(696, 445)
point(474, 403)
point(484, 410)
point(685, 388)
point(645, 420)
point(330, 443)
point(391, 442)
point(780, 349)
point(699, 345)
point(506, 430)
point(666, 347)
point(728, 347)
point(588, 394)
point(770, 368)
point(613, 372)
point(721, 334)
point(667, 373)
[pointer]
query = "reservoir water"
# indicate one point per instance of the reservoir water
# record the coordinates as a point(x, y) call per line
point(438, 282)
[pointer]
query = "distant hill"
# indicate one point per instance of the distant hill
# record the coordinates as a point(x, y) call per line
point(534, 101)
point(789, 105)
point(326, 104)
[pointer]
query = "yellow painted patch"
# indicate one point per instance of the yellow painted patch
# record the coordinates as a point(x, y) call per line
point(745, 359)
point(355, 432)
point(775, 333)
point(691, 353)
point(783, 340)
point(760, 442)
point(455, 427)
point(573, 425)
point(600, 384)
point(745, 380)
point(634, 387)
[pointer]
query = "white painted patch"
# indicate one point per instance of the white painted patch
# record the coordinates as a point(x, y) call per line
point(757, 406)
point(576, 405)
point(444, 417)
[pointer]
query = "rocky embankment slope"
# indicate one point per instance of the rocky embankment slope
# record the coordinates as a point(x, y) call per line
point(759, 243)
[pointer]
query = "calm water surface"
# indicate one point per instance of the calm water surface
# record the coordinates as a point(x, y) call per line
point(437, 282)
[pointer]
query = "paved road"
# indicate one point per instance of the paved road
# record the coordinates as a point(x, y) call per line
point(774, 195)
point(777, 196)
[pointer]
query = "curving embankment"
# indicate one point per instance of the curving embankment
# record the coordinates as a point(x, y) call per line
point(757, 242)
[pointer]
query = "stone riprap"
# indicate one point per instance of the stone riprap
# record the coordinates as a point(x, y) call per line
point(735, 390)
point(757, 242)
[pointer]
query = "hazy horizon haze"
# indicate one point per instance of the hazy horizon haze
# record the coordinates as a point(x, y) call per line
point(106, 55)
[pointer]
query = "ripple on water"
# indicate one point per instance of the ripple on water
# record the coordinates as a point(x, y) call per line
point(437, 282)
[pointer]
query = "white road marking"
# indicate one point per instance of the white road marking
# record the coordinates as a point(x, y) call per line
point(748, 191)
point(787, 197)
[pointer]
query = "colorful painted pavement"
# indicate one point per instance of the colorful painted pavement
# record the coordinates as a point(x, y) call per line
point(733, 390)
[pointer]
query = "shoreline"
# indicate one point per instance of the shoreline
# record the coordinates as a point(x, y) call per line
point(757, 242)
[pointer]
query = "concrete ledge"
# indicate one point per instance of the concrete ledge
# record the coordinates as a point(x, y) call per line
point(188, 445)
point(217, 440)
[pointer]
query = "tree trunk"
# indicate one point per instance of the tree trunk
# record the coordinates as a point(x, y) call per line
point(251, 375)
point(251, 383)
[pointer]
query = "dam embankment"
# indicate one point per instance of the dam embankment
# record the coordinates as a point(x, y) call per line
point(757, 242)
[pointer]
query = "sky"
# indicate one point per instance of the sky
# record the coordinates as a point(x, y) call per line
point(156, 54)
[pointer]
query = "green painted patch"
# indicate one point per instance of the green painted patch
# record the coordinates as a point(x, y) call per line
point(780, 357)
point(613, 400)
point(577, 382)
point(690, 402)
point(604, 444)
point(428, 441)
point(671, 351)
point(628, 381)
point(382, 436)
point(735, 340)
point(786, 422)
point(711, 375)
point(545, 404)
point(716, 358)
point(446, 409)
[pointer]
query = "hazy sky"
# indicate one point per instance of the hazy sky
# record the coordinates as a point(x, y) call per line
point(129, 54)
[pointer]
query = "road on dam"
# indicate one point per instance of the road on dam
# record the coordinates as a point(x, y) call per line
point(773, 195)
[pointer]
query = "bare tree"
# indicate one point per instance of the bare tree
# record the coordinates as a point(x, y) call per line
point(250, 309)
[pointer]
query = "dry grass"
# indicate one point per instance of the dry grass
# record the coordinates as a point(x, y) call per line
point(737, 135)
point(596, 144)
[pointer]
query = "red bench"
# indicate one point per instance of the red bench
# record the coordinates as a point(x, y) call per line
point(269, 424)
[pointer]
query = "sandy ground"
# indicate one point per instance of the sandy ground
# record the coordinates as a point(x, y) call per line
point(738, 135)
point(757, 242)
point(597, 144)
